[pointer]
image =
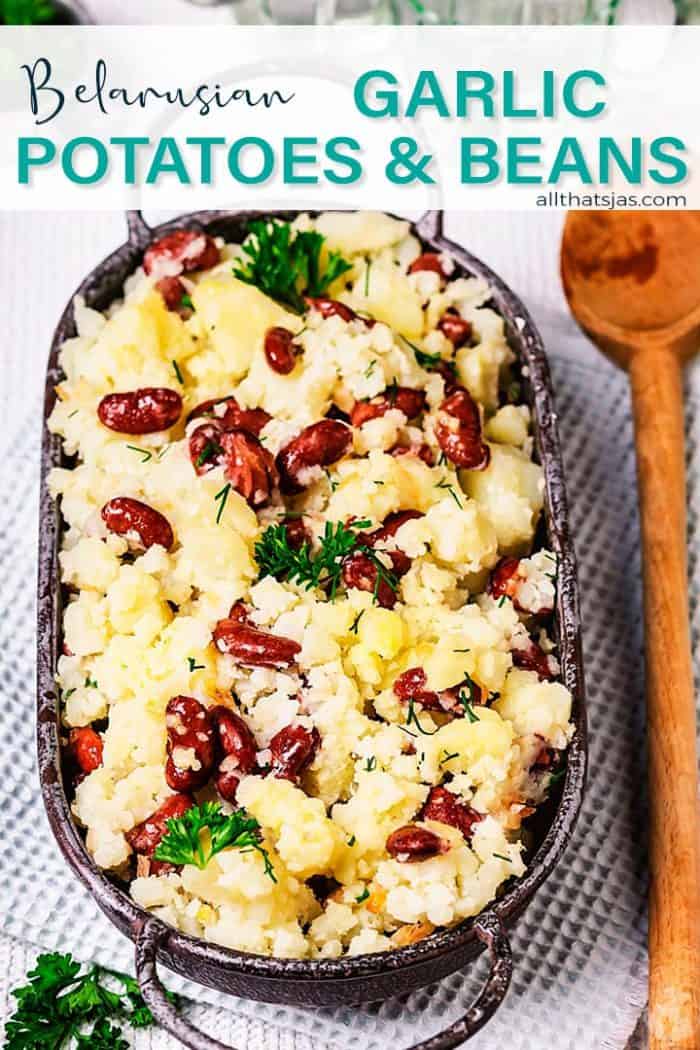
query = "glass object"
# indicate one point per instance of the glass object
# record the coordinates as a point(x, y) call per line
point(432, 12)
point(502, 12)
point(298, 12)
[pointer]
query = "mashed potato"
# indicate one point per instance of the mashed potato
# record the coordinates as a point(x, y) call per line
point(415, 719)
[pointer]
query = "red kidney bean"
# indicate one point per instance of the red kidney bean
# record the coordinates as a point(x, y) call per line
point(330, 308)
point(423, 452)
point(252, 647)
point(237, 743)
point(455, 328)
point(504, 579)
point(145, 837)
point(248, 466)
point(401, 562)
point(411, 844)
point(143, 411)
point(180, 252)
point(393, 522)
point(545, 759)
point(318, 445)
point(172, 289)
point(206, 451)
point(361, 572)
point(297, 533)
point(458, 431)
point(189, 726)
point(428, 261)
point(447, 371)
point(447, 808)
point(86, 748)
point(534, 658)
point(280, 350)
point(404, 398)
point(411, 686)
point(238, 613)
point(292, 750)
point(146, 866)
point(127, 517)
point(226, 412)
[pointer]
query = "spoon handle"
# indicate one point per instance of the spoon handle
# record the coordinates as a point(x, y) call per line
point(674, 900)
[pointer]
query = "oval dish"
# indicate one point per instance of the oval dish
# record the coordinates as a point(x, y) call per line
point(326, 982)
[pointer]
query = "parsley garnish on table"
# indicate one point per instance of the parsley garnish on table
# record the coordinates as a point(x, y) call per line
point(286, 264)
point(62, 1007)
point(322, 568)
point(203, 831)
point(27, 12)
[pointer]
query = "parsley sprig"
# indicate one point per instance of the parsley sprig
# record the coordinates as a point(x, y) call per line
point(470, 697)
point(322, 568)
point(430, 362)
point(286, 264)
point(61, 1006)
point(205, 830)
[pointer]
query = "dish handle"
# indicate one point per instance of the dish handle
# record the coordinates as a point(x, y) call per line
point(149, 933)
point(429, 226)
point(489, 929)
point(140, 233)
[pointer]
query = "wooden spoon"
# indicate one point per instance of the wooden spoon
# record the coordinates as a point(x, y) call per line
point(633, 283)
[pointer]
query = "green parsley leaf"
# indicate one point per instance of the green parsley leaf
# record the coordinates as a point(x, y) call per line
point(352, 840)
point(90, 683)
point(186, 302)
point(501, 856)
point(223, 496)
point(322, 568)
point(370, 764)
point(428, 361)
point(470, 712)
point(178, 373)
point(205, 830)
point(211, 449)
point(514, 391)
point(363, 896)
point(356, 622)
point(61, 1007)
point(286, 264)
point(193, 665)
point(143, 452)
point(412, 717)
point(470, 698)
point(445, 484)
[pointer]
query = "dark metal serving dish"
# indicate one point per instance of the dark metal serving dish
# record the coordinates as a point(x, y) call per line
point(327, 982)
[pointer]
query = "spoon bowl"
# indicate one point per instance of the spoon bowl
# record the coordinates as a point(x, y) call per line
point(633, 279)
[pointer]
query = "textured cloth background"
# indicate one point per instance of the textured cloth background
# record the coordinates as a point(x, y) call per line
point(579, 951)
